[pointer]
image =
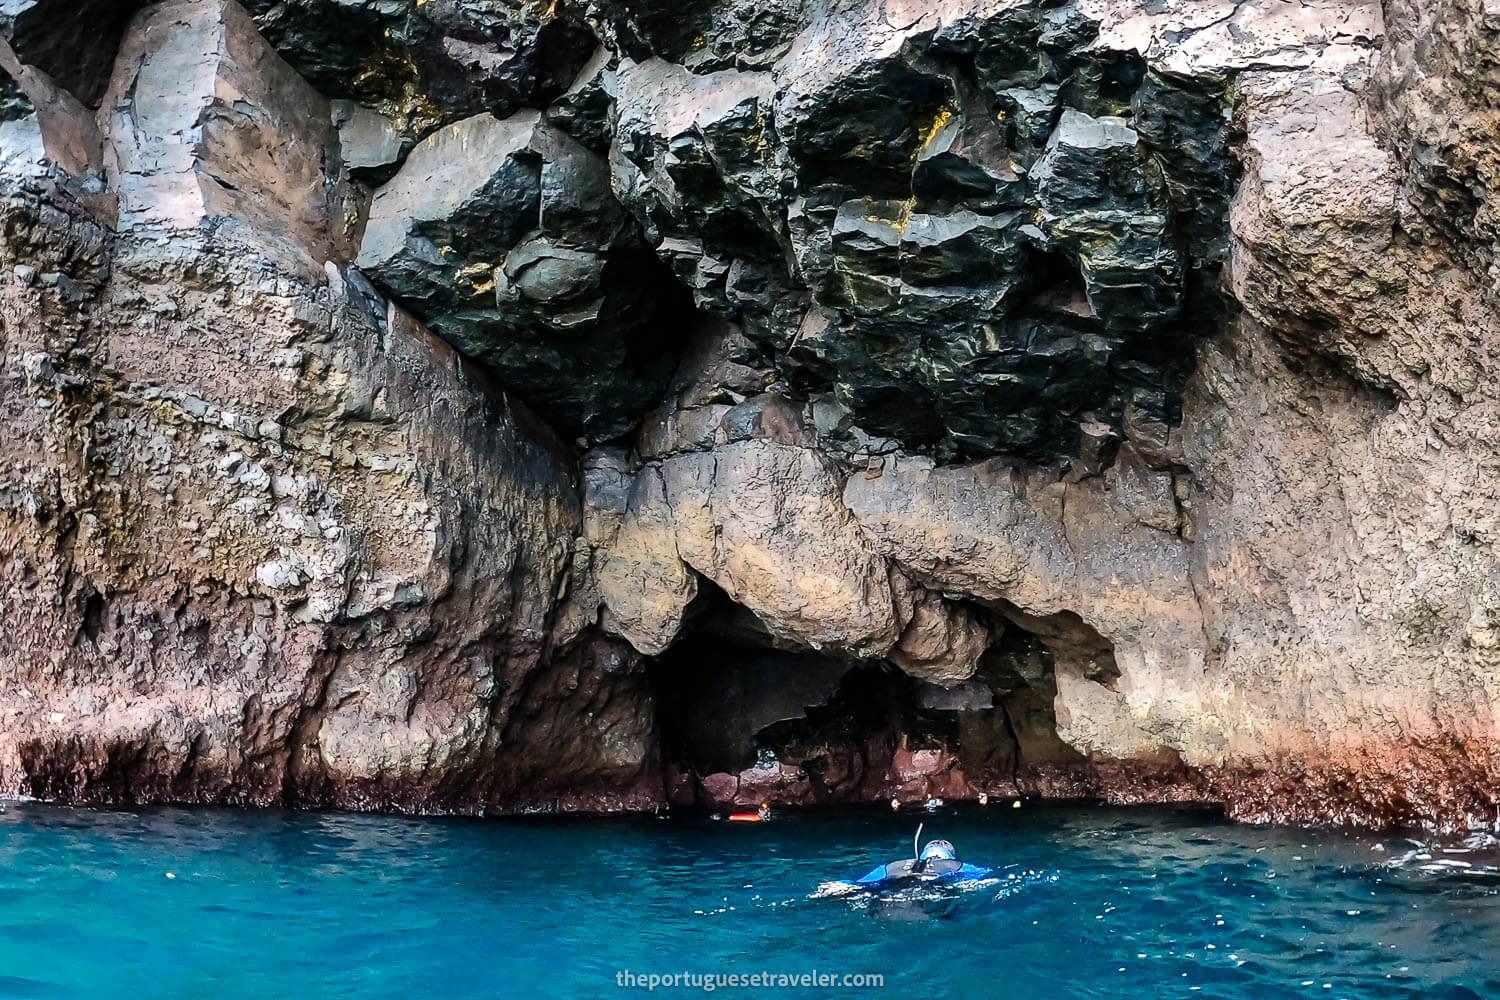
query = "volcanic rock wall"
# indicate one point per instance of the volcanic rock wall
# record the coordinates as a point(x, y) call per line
point(488, 405)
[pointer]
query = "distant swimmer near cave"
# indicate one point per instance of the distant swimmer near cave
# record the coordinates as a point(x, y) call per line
point(760, 815)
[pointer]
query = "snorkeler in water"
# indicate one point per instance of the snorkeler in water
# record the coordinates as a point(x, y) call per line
point(936, 862)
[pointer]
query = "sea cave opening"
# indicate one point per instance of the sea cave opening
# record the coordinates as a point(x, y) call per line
point(745, 716)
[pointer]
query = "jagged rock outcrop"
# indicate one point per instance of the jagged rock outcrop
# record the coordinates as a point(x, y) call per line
point(268, 540)
point(184, 149)
point(959, 170)
point(503, 237)
point(1438, 89)
point(930, 399)
point(701, 36)
point(765, 523)
point(424, 63)
point(643, 585)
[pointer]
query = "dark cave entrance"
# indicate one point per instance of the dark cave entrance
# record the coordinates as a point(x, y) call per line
point(744, 717)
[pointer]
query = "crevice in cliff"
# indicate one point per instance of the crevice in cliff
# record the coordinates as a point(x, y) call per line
point(1065, 636)
point(715, 696)
point(92, 623)
point(1010, 729)
point(300, 786)
point(1016, 741)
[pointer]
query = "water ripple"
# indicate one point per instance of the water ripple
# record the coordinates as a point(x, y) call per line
point(1085, 903)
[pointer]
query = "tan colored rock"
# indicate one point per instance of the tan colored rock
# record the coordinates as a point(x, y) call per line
point(942, 643)
point(644, 584)
point(1048, 553)
point(1343, 560)
point(766, 523)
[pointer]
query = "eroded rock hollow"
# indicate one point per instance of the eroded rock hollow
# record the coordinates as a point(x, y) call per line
point(492, 406)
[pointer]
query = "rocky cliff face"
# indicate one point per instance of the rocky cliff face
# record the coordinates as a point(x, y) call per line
point(486, 405)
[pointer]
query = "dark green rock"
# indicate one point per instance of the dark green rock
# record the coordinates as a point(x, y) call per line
point(503, 238)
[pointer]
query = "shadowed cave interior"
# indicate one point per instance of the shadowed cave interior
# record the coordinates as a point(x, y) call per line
point(744, 717)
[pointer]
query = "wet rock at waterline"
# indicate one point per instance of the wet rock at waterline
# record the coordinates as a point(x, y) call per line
point(492, 407)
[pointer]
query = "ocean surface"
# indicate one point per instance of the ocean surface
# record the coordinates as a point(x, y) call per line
point(1086, 902)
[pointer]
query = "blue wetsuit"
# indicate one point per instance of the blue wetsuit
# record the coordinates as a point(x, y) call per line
point(912, 872)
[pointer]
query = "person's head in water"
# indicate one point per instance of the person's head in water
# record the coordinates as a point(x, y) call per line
point(939, 850)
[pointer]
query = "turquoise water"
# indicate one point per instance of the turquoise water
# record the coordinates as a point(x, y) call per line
point(1092, 902)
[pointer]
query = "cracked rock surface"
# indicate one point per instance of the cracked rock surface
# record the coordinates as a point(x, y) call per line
point(496, 405)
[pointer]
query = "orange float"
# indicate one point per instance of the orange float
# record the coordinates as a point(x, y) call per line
point(759, 816)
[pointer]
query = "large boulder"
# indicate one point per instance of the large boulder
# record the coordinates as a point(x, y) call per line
point(766, 524)
point(643, 585)
point(207, 126)
point(502, 235)
point(1109, 213)
point(942, 644)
